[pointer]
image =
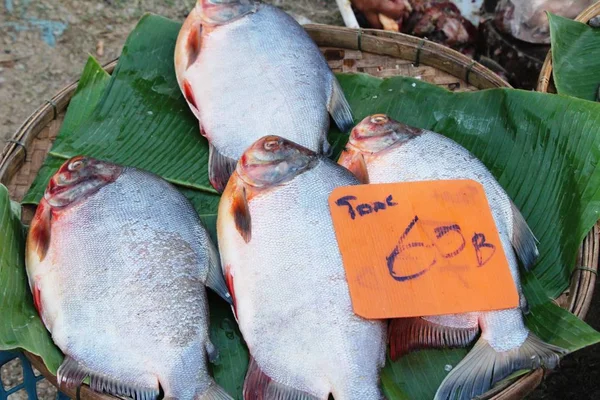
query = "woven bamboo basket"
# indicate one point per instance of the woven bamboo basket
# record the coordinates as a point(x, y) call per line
point(545, 81)
point(374, 52)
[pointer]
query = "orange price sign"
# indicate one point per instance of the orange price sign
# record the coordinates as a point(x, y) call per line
point(421, 248)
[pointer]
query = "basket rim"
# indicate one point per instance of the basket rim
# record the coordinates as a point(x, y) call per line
point(545, 78)
point(367, 40)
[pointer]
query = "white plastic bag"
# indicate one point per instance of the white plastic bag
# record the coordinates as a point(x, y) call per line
point(526, 19)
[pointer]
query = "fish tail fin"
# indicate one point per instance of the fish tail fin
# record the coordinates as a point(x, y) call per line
point(409, 334)
point(220, 168)
point(483, 367)
point(339, 108)
point(259, 386)
point(214, 392)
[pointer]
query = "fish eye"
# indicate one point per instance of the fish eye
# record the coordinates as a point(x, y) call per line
point(75, 165)
point(271, 145)
point(379, 119)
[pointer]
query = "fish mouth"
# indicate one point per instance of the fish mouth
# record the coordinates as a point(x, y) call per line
point(57, 194)
point(221, 12)
point(263, 174)
point(375, 144)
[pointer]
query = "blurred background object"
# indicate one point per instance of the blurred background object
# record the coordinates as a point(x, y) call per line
point(526, 19)
point(510, 37)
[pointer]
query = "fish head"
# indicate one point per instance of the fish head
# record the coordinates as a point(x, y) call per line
point(379, 132)
point(273, 160)
point(220, 12)
point(79, 178)
point(372, 137)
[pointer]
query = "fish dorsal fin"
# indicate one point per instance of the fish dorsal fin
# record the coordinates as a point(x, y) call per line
point(71, 375)
point(241, 212)
point(215, 279)
point(259, 386)
point(410, 334)
point(339, 108)
point(523, 240)
point(220, 168)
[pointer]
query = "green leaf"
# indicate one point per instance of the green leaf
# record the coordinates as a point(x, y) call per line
point(91, 86)
point(575, 58)
point(543, 149)
point(553, 324)
point(142, 120)
point(21, 326)
point(230, 369)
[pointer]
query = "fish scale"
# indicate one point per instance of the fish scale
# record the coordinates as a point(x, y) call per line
point(125, 272)
point(258, 87)
point(248, 69)
point(291, 295)
point(381, 150)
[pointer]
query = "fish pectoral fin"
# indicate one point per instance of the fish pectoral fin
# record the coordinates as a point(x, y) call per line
point(483, 367)
point(193, 43)
point(220, 168)
point(211, 351)
point(356, 164)
point(259, 386)
point(71, 375)
point(523, 240)
point(410, 334)
point(241, 213)
point(214, 392)
point(339, 108)
point(215, 279)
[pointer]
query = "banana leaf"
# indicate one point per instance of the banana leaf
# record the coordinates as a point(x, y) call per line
point(20, 325)
point(575, 58)
point(543, 149)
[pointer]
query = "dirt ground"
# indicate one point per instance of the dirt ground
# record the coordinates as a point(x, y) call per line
point(44, 45)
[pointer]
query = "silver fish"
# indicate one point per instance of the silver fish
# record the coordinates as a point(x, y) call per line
point(382, 150)
point(285, 272)
point(118, 261)
point(248, 68)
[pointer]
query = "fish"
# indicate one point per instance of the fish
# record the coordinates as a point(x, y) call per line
point(284, 269)
point(246, 69)
point(118, 264)
point(382, 150)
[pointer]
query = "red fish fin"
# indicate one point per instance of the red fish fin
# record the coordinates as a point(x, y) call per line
point(229, 282)
point(409, 334)
point(220, 168)
point(259, 386)
point(71, 375)
point(483, 367)
point(188, 92)
point(355, 163)
point(241, 213)
point(39, 234)
point(194, 40)
point(37, 299)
